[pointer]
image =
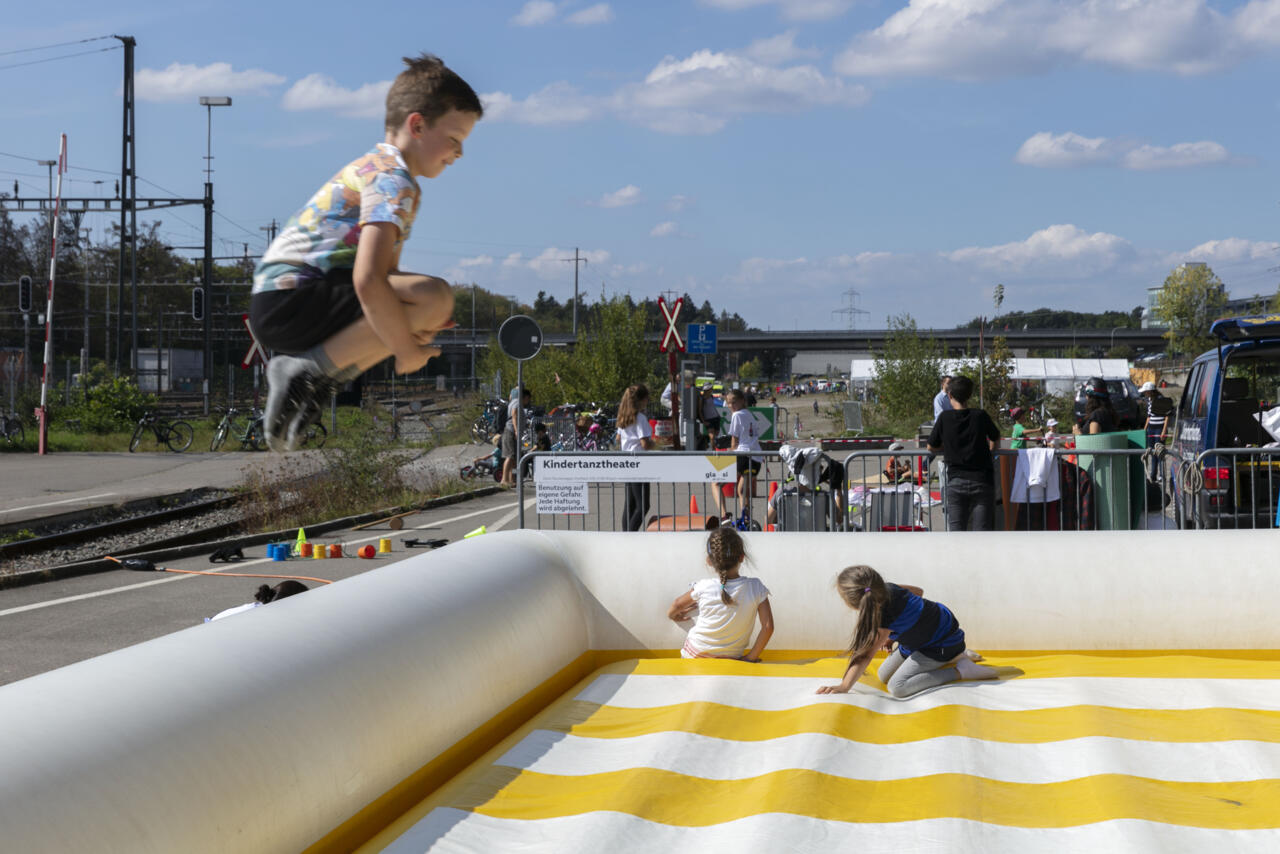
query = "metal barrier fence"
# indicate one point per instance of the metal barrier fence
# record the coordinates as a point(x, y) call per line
point(1104, 489)
point(907, 490)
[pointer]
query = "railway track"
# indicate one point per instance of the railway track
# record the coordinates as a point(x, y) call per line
point(144, 525)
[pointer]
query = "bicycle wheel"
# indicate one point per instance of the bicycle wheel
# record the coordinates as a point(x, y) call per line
point(480, 430)
point(314, 436)
point(219, 436)
point(467, 472)
point(137, 436)
point(255, 438)
point(13, 431)
point(178, 436)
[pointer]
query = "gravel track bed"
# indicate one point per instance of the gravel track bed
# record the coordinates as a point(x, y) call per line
point(420, 470)
point(105, 545)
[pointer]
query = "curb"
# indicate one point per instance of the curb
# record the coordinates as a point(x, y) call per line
point(90, 567)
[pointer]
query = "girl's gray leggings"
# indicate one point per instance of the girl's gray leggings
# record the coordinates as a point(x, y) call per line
point(907, 676)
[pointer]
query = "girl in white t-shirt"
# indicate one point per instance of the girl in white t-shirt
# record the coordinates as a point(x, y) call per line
point(726, 607)
point(743, 436)
point(634, 434)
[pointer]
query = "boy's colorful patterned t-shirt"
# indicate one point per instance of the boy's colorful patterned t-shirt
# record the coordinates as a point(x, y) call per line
point(376, 187)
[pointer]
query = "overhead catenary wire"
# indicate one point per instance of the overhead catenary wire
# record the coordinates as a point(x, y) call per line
point(55, 58)
point(52, 46)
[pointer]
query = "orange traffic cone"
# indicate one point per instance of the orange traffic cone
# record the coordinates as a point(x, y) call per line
point(773, 487)
point(693, 505)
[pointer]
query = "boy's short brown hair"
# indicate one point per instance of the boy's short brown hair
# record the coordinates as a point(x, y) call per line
point(430, 88)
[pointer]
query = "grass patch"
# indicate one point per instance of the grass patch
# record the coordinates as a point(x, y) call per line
point(363, 473)
point(17, 536)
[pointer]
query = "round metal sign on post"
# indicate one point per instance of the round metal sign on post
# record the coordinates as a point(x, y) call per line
point(520, 337)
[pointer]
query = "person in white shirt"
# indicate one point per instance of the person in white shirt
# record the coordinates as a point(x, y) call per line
point(727, 607)
point(743, 436)
point(634, 434)
point(941, 402)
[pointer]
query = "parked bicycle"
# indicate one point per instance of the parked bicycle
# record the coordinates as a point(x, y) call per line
point(252, 435)
point(11, 426)
point(483, 428)
point(176, 434)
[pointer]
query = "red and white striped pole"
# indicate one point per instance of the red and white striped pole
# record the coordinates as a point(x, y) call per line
point(42, 412)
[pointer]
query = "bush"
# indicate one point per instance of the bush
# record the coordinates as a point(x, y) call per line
point(114, 403)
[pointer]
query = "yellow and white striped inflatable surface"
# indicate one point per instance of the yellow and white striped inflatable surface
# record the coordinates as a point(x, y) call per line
point(1065, 753)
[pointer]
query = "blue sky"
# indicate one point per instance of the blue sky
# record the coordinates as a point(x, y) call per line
point(768, 155)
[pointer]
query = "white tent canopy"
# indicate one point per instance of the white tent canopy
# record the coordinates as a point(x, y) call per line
point(1023, 369)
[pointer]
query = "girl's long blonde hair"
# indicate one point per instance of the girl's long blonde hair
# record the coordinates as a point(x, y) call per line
point(725, 552)
point(632, 404)
point(862, 589)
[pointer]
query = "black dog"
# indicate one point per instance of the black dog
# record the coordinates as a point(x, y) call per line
point(227, 553)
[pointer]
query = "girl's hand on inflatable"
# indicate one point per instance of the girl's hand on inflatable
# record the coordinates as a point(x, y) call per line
point(748, 659)
point(833, 689)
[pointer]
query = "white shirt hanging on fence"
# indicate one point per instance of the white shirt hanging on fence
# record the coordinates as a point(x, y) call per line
point(1035, 478)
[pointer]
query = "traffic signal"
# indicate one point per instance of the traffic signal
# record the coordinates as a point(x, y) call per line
point(24, 294)
point(197, 303)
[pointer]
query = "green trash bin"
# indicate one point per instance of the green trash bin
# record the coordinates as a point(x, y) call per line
point(1118, 487)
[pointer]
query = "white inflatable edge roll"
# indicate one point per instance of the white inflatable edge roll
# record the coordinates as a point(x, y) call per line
point(265, 731)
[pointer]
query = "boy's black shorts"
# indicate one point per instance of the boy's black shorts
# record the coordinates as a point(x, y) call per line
point(746, 462)
point(293, 321)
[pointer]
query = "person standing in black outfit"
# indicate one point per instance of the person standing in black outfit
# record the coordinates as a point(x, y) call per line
point(965, 438)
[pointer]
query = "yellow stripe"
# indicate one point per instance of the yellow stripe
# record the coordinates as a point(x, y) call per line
point(684, 801)
point(376, 816)
point(863, 725)
point(1203, 665)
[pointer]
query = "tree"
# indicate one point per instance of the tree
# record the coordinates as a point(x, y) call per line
point(1192, 298)
point(610, 354)
point(994, 369)
point(907, 371)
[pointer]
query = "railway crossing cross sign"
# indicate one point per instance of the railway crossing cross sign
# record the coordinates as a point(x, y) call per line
point(671, 332)
point(255, 349)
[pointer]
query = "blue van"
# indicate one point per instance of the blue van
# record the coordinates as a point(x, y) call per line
point(1227, 390)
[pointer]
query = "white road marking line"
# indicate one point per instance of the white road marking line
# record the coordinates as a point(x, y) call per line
point(35, 606)
point(497, 526)
point(54, 503)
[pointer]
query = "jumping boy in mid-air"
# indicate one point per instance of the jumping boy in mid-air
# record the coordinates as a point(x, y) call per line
point(329, 293)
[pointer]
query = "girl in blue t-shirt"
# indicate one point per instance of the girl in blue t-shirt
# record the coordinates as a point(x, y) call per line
point(931, 650)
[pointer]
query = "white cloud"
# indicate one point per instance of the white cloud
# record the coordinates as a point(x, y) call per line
point(628, 195)
point(702, 92)
point(1180, 156)
point(558, 103)
point(1049, 247)
point(465, 268)
point(796, 10)
point(549, 263)
point(600, 13)
point(679, 203)
point(321, 92)
point(698, 94)
point(1064, 150)
point(179, 82)
point(779, 49)
point(1231, 249)
point(665, 229)
point(984, 39)
point(534, 13)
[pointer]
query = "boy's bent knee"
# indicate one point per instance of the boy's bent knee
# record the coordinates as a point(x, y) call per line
point(430, 303)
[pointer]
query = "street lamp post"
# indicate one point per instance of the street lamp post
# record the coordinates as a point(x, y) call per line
point(206, 275)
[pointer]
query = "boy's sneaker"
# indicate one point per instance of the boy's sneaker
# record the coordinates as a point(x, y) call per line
point(309, 412)
point(291, 384)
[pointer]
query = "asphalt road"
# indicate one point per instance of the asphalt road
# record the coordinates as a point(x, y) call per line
point(50, 625)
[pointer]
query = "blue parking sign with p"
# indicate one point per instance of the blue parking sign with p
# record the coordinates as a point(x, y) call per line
point(700, 338)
